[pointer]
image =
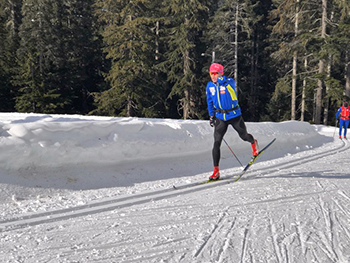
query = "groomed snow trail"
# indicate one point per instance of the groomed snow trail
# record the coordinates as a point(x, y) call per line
point(294, 209)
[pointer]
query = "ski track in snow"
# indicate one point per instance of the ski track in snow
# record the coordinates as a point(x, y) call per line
point(121, 202)
point(294, 210)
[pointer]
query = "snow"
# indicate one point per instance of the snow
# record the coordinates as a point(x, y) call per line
point(100, 189)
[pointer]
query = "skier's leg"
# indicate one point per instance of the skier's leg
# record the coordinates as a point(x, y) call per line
point(341, 123)
point(239, 125)
point(346, 125)
point(220, 130)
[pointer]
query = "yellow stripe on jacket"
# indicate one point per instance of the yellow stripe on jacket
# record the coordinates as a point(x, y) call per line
point(232, 92)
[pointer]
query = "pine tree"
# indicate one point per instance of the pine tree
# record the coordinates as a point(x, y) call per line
point(131, 45)
point(328, 53)
point(238, 35)
point(34, 60)
point(317, 48)
point(84, 62)
point(57, 56)
point(287, 26)
point(184, 27)
point(342, 38)
point(231, 23)
point(10, 19)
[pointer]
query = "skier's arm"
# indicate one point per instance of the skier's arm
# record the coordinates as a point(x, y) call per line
point(210, 103)
point(338, 112)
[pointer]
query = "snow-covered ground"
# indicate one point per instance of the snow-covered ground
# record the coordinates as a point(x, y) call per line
point(97, 189)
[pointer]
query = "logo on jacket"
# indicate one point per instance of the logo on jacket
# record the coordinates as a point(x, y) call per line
point(212, 91)
point(222, 90)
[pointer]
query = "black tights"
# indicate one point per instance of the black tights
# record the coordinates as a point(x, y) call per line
point(220, 130)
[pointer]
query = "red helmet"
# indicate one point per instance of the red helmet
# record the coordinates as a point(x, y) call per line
point(215, 67)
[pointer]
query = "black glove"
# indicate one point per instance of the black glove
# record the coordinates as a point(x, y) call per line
point(212, 121)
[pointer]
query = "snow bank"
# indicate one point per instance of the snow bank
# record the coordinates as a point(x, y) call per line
point(36, 140)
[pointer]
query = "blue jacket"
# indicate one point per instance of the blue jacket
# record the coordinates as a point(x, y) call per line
point(223, 95)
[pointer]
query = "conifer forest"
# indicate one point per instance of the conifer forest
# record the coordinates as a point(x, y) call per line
point(150, 58)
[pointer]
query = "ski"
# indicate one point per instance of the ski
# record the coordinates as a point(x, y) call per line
point(247, 166)
point(234, 177)
point(253, 160)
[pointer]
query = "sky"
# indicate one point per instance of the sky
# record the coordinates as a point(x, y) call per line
point(100, 189)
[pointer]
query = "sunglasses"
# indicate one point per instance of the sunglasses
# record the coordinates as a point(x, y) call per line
point(214, 73)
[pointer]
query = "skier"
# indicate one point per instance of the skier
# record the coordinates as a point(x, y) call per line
point(343, 113)
point(224, 111)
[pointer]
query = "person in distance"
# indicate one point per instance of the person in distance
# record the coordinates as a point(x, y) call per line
point(343, 114)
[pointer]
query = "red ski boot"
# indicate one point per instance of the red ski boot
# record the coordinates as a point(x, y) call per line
point(215, 175)
point(255, 148)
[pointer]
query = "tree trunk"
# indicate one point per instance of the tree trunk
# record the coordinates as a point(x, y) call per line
point(157, 43)
point(347, 76)
point(326, 106)
point(187, 99)
point(295, 61)
point(319, 90)
point(329, 68)
point(129, 107)
point(321, 63)
point(303, 94)
point(236, 48)
point(294, 85)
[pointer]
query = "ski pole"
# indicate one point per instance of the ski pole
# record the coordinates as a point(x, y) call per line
point(233, 152)
point(336, 125)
